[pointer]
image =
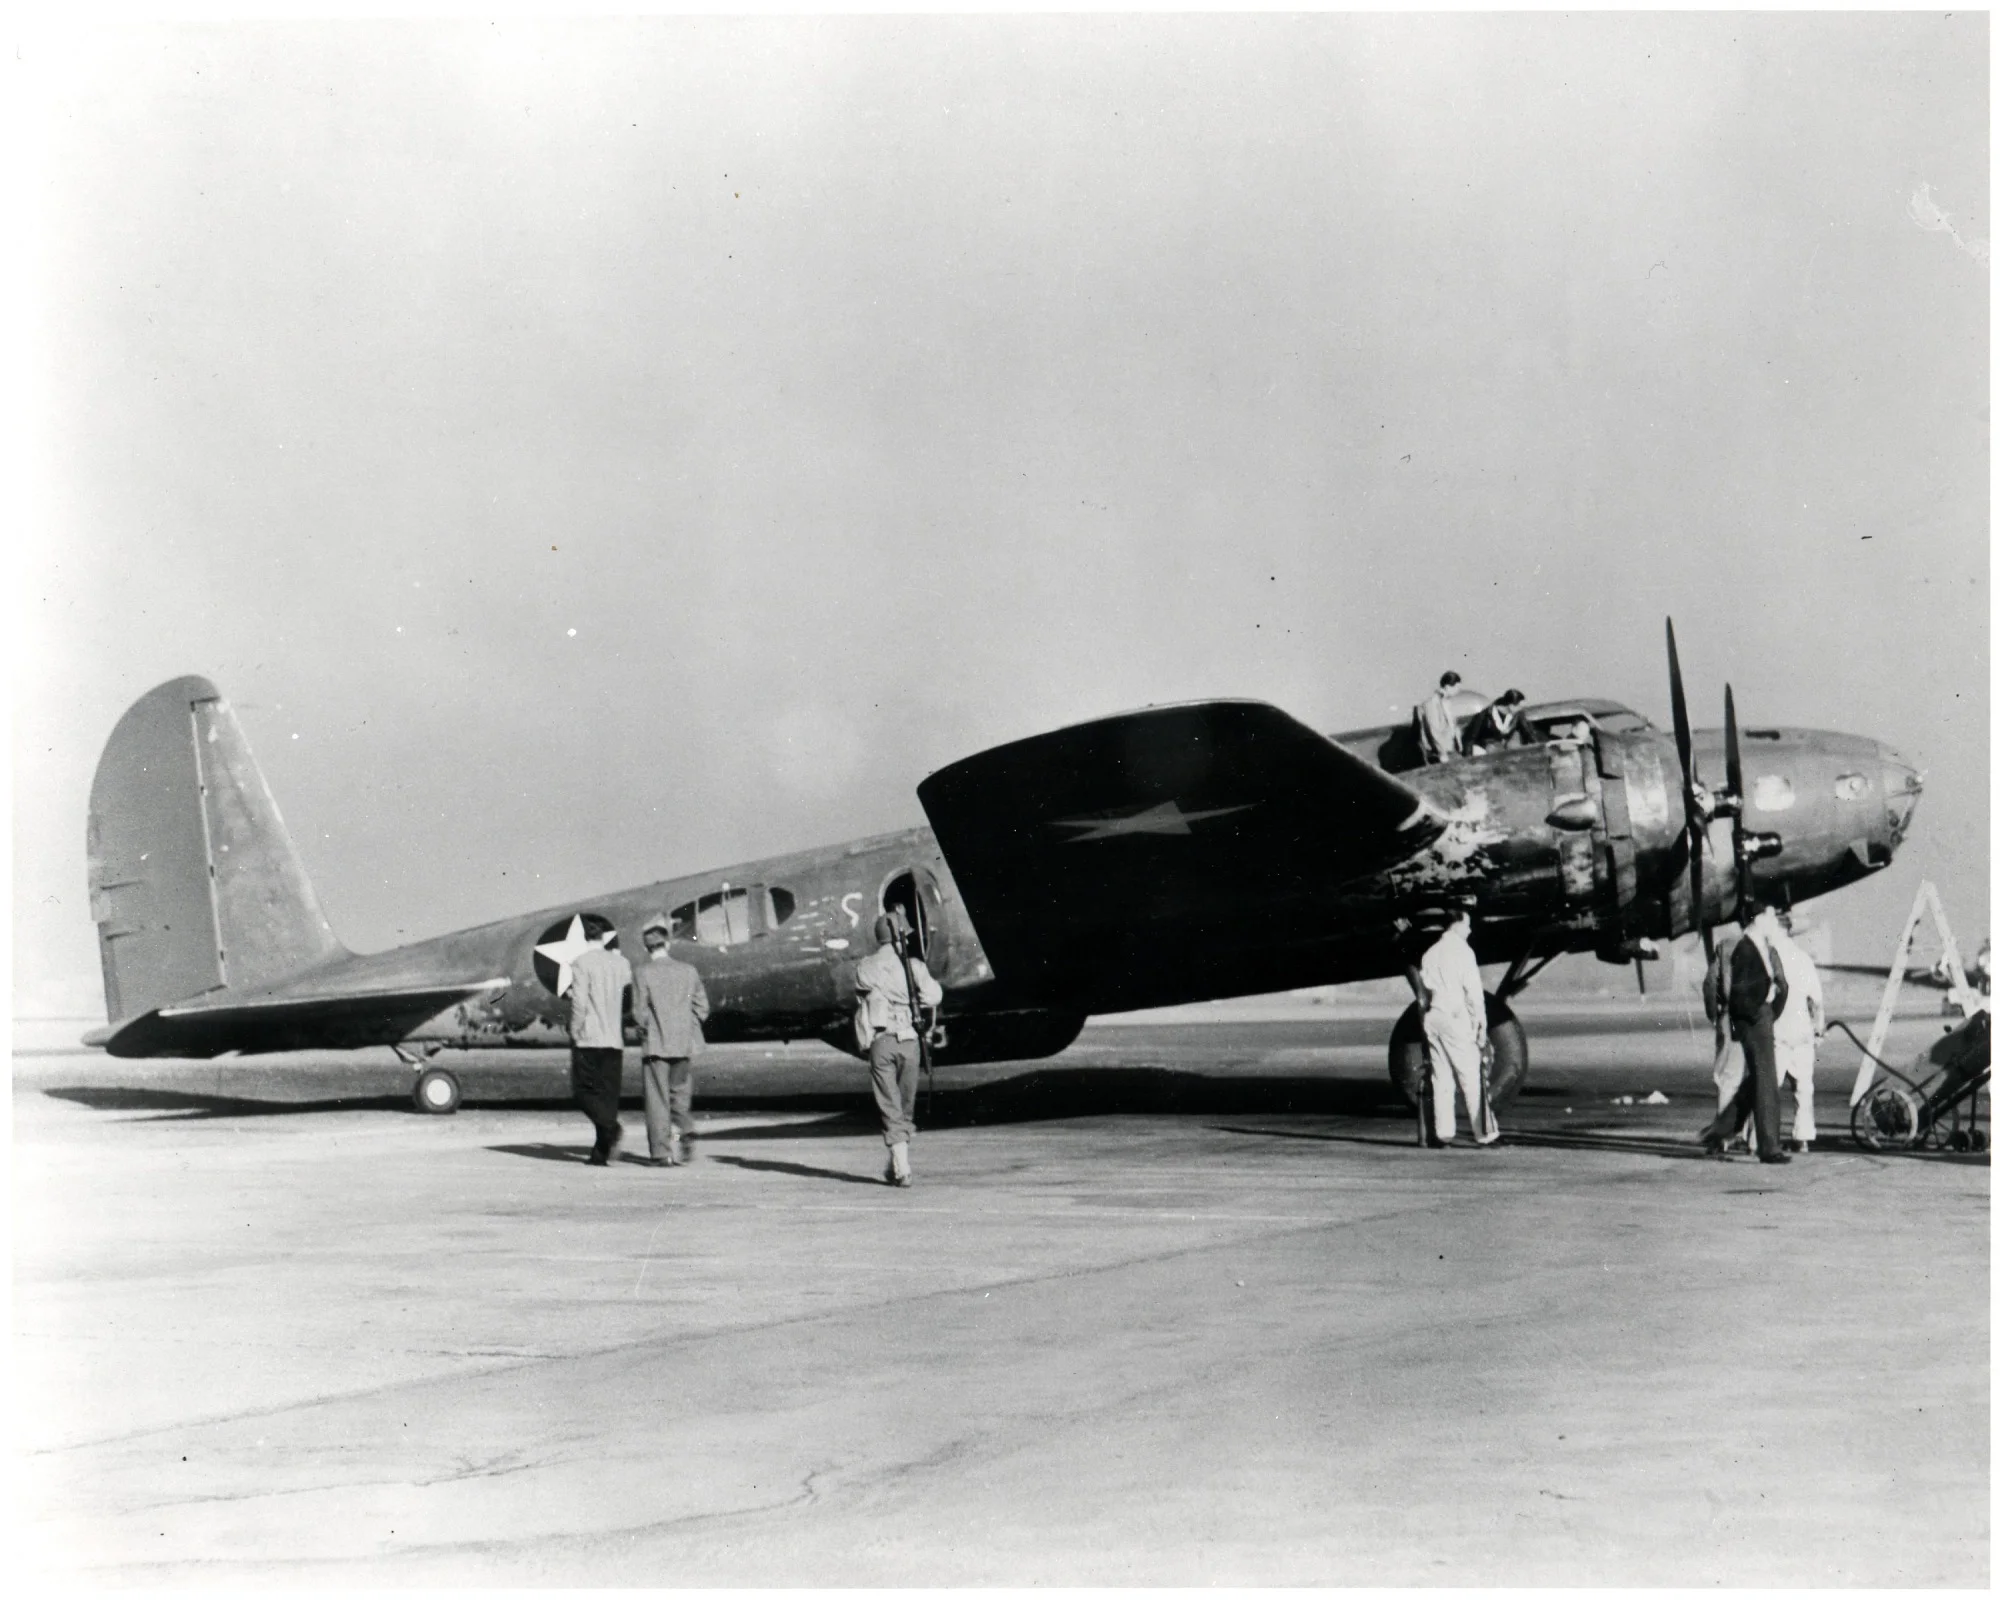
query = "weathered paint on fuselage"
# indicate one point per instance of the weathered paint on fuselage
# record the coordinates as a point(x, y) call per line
point(1572, 846)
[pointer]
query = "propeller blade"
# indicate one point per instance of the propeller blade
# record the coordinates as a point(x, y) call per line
point(1695, 836)
point(1683, 736)
point(1732, 754)
point(1697, 826)
point(1732, 751)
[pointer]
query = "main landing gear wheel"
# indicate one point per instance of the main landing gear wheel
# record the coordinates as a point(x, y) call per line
point(437, 1092)
point(1510, 1052)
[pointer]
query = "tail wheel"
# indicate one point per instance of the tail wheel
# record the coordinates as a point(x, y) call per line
point(1886, 1119)
point(1510, 1052)
point(436, 1092)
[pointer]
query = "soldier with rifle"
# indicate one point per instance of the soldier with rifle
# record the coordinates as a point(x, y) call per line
point(887, 1028)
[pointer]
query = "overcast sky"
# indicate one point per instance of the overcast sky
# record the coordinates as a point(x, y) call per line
point(585, 454)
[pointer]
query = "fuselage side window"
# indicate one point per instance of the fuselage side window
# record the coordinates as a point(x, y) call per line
point(779, 907)
point(722, 918)
point(682, 919)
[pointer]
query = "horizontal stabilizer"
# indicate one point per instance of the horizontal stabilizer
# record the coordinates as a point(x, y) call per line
point(283, 1023)
point(1119, 841)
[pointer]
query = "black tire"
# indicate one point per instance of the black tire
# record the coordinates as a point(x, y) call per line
point(437, 1092)
point(1510, 1052)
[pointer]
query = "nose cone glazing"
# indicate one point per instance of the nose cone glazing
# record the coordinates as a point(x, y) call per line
point(1902, 784)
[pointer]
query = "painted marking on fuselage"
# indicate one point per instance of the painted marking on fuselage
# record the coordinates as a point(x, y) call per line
point(853, 915)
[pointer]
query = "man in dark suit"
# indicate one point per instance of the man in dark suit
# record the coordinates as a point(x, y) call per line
point(1757, 995)
point(669, 1003)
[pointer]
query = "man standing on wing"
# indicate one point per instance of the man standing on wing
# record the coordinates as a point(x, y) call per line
point(1437, 724)
point(1454, 1004)
point(669, 1002)
point(886, 1029)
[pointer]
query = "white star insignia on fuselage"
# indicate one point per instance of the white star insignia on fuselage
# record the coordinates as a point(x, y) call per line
point(1164, 819)
point(566, 951)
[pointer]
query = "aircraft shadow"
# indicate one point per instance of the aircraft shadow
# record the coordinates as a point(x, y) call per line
point(1078, 1093)
point(1658, 1148)
point(197, 1105)
point(804, 1171)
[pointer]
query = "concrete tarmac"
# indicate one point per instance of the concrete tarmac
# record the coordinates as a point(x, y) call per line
point(1183, 1306)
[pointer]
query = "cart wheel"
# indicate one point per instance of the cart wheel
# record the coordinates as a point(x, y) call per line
point(436, 1091)
point(1959, 1141)
point(1978, 1141)
point(1886, 1119)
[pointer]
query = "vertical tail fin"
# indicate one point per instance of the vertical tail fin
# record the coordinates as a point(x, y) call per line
point(194, 882)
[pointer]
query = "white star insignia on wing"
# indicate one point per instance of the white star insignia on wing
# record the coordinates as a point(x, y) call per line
point(1164, 819)
point(566, 951)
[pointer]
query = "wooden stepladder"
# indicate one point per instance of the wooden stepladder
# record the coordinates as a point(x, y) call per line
point(1961, 993)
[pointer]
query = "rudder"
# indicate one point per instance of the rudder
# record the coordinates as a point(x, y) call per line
point(195, 885)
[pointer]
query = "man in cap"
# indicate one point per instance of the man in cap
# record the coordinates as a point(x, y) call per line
point(1498, 726)
point(1437, 724)
point(886, 1029)
point(669, 1002)
point(1454, 1004)
point(1757, 995)
point(600, 981)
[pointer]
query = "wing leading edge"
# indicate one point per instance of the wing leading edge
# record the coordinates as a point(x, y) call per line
point(1118, 843)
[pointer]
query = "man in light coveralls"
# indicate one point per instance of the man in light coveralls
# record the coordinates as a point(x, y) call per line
point(1454, 1005)
point(1796, 1031)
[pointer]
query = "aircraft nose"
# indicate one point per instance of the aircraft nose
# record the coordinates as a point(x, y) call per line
point(1902, 784)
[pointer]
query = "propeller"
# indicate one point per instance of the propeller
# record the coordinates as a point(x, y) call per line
point(1699, 806)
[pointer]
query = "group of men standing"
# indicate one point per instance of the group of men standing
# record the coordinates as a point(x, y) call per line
point(1763, 994)
point(668, 1003)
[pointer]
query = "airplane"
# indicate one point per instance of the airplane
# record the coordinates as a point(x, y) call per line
point(1174, 854)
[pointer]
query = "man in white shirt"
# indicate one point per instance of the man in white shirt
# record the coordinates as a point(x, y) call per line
point(599, 980)
point(1796, 1032)
point(1454, 1004)
point(1437, 723)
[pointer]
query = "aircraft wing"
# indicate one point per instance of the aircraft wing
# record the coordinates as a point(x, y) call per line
point(1143, 838)
point(282, 1022)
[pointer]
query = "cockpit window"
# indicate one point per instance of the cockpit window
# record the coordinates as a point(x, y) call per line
point(1623, 722)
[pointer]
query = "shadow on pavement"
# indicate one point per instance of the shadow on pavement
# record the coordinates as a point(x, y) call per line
point(1082, 1093)
point(547, 1151)
point(1039, 1094)
point(195, 1105)
point(804, 1171)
